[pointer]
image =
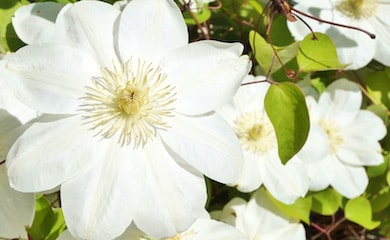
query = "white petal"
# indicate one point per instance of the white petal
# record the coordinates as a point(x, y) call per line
point(89, 25)
point(265, 221)
point(207, 229)
point(361, 145)
point(382, 31)
point(170, 197)
point(49, 78)
point(7, 124)
point(341, 102)
point(66, 235)
point(208, 144)
point(16, 209)
point(285, 182)
point(250, 177)
point(348, 180)
point(150, 29)
point(205, 74)
point(49, 153)
point(100, 203)
point(34, 23)
point(233, 213)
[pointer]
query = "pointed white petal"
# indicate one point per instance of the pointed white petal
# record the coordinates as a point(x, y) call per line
point(170, 197)
point(49, 78)
point(100, 202)
point(150, 29)
point(348, 180)
point(208, 144)
point(49, 153)
point(250, 176)
point(205, 74)
point(89, 25)
point(34, 23)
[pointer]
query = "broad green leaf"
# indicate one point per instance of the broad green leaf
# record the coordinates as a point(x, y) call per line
point(326, 202)
point(48, 223)
point(381, 200)
point(374, 171)
point(298, 210)
point(286, 107)
point(317, 55)
point(265, 55)
point(378, 87)
point(359, 210)
point(9, 40)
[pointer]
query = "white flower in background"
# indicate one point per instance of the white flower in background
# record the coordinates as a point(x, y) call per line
point(349, 137)
point(353, 47)
point(134, 126)
point(16, 209)
point(196, 5)
point(201, 229)
point(247, 116)
point(260, 219)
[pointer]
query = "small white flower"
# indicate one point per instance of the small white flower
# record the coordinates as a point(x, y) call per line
point(353, 47)
point(347, 135)
point(262, 166)
point(260, 219)
point(133, 127)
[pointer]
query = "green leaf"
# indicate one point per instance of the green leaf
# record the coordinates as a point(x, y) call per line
point(265, 55)
point(326, 202)
point(298, 210)
point(286, 107)
point(381, 200)
point(374, 171)
point(378, 87)
point(359, 210)
point(200, 17)
point(48, 223)
point(9, 41)
point(317, 55)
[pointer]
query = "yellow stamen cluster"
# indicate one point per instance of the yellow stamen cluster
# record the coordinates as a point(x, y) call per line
point(130, 101)
point(357, 9)
point(255, 132)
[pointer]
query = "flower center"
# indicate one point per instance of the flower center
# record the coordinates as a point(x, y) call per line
point(334, 135)
point(130, 102)
point(255, 132)
point(357, 9)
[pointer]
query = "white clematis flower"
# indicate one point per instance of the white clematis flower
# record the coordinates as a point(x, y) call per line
point(349, 136)
point(260, 219)
point(201, 229)
point(135, 125)
point(262, 166)
point(353, 47)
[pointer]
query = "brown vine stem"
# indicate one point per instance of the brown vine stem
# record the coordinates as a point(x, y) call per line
point(327, 231)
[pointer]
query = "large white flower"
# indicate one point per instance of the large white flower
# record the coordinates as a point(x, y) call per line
point(247, 116)
point(353, 47)
point(133, 126)
point(349, 136)
point(260, 219)
point(201, 229)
